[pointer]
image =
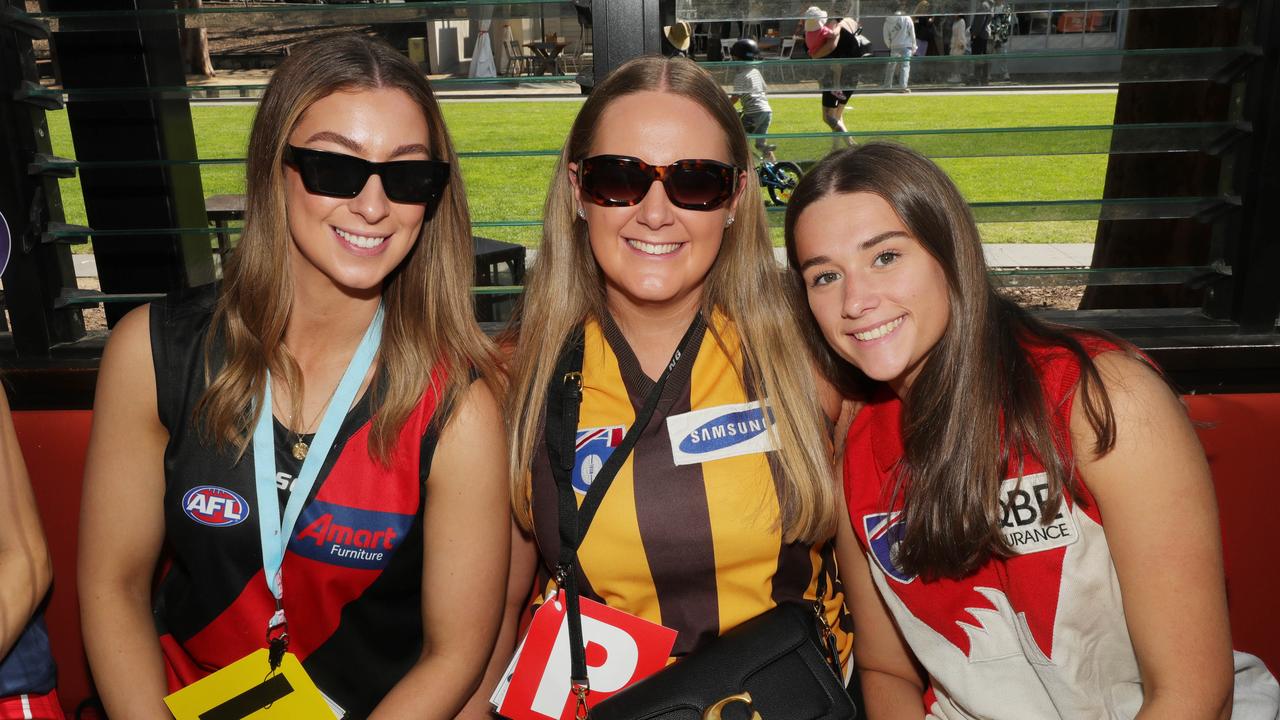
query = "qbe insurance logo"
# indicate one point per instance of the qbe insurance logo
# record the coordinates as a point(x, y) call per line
point(214, 506)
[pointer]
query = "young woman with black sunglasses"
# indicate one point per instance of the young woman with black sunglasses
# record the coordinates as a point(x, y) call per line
point(316, 440)
point(656, 253)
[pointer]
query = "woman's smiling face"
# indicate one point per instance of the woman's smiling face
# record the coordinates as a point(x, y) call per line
point(654, 254)
point(879, 296)
point(354, 243)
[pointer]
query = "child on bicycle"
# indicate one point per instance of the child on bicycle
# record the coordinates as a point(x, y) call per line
point(749, 89)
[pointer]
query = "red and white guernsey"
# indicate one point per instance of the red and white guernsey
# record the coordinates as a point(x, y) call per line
point(1040, 635)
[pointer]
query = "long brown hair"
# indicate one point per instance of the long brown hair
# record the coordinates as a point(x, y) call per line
point(429, 315)
point(955, 453)
point(745, 283)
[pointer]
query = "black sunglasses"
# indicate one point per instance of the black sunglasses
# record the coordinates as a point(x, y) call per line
point(623, 181)
point(338, 175)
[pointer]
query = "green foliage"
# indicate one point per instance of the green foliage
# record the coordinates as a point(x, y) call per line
point(1014, 166)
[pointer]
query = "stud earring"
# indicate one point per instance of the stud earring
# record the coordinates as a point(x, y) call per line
point(729, 221)
point(582, 213)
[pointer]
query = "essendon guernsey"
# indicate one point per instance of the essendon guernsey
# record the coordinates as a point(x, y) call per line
point(352, 572)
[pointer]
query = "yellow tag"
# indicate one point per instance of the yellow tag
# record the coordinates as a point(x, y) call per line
point(245, 689)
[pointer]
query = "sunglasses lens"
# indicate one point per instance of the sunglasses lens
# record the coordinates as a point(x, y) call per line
point(699, 186)
point(415, 181)
point(614, 181)
point(331, 173)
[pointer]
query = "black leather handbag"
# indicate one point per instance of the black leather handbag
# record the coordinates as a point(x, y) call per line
point(780, 665)
point(769, 667)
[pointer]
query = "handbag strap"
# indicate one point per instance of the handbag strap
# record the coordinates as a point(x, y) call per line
point(826, 635)
point(564, 399)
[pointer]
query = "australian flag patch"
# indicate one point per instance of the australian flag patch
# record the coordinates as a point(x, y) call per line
point(884, 533)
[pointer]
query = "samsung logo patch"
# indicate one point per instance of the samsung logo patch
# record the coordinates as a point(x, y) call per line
point(720, 432)
point(728, 429)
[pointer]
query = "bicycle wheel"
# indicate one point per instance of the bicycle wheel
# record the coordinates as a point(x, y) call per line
point(787, 175)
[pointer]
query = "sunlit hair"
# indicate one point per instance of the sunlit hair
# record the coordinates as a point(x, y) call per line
point(429, 313)
point(745, 283)
point(955, 456)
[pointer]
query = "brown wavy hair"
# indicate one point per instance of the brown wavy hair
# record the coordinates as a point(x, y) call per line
point(745, 283)
point(429, 318)
point(955, 455)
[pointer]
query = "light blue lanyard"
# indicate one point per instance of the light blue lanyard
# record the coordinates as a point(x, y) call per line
point(275, 532)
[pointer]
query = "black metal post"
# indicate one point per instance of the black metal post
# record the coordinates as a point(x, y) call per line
point(624, 29)
point(1255, 261)
point(36, 273)
point(142, 53)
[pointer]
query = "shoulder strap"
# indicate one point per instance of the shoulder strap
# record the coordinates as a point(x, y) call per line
point(564, 398)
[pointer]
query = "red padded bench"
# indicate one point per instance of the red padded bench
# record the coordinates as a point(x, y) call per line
point(1240, 435)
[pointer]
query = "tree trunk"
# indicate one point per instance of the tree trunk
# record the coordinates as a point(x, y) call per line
point(195, 45)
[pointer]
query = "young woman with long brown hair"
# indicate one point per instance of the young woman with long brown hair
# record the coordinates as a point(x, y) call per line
point(979, 475)
point(344, 322)
point(655, 244)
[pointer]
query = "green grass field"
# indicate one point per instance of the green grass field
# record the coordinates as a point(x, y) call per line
point(513, 188)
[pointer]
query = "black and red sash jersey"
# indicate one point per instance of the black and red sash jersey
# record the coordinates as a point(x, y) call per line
point(352, 572)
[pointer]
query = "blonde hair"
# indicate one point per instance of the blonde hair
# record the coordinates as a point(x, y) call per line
point(429, 313)
point(746, 284)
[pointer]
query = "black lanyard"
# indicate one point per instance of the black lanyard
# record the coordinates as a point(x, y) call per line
point(564, 398)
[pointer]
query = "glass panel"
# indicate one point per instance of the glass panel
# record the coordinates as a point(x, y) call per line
point(1074, 210)
point(984, 212)
point(1024, 141)
point(1044, 67)
point(861, 75)
point(732, 10)
point(292, 16)
point(76, 298)
point(1058, 277)
point(254, 90)
point(950, 143)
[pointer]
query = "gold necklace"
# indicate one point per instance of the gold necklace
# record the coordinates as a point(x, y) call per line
point(300, 447)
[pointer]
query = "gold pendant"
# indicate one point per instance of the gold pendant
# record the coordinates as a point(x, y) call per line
point(300, 450)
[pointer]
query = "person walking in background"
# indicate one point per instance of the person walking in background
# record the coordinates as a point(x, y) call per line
point(900, 36)
point(926, 30)
point(959, 46)
point(676, 39)
point(981, 45)
point(27, 674)
point(750, 90)
point(836, 38)
point(1004, 23)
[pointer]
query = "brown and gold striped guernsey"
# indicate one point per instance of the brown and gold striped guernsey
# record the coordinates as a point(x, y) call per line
point(697, 546)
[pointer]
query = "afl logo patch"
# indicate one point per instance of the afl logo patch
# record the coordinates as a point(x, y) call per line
point(214, 506)
point(592, 451)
